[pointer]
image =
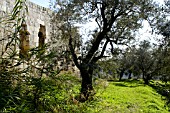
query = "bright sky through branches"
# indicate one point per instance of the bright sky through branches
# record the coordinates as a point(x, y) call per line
point(44, 3)
point(145, 32)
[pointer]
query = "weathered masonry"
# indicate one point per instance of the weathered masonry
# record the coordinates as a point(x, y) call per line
point(37, 25)
point(35, 31)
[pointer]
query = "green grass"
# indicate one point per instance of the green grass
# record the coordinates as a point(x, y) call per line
point(118, 97)
point(127, 97)
point(56, 95)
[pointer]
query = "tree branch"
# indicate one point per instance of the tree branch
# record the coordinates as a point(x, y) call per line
point(102, 52)
point(103, 8)
point(75, 59)
point(111, 44)
point(102, 34)
point(94, 47)
point(113, 16)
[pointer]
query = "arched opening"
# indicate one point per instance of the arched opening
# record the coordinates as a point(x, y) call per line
point(42, 36)
point(24, 41)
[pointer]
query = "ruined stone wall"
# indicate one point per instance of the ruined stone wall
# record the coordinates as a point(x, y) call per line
point(38, 19)
point(37, 15)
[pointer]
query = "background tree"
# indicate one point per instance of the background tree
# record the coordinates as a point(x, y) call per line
point(145, 60)
point(107, 68)
point(116, 20)
point(164, 47)
point(126, 62)
point(148, 61)
point(163, 28)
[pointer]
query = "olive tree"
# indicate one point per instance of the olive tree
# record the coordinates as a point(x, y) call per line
point(116, 21)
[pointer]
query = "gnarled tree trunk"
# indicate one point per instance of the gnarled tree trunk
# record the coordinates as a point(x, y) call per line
point(146, 78)
point(86, 84)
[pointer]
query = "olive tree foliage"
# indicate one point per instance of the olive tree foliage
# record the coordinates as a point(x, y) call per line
point(116, 20)
point(59, 40)
point(141, 59)
point(145, 59)
point(164, 48)
point(164, 27)
point(148, 61)
point(164, 43)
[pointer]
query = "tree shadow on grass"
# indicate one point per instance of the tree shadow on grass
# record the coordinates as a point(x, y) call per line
point(160, 88)
point(128, 83)
point(163, 89)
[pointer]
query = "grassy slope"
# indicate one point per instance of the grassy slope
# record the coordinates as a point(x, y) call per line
point(112, 97)
point(127, 97)
point(56, 95)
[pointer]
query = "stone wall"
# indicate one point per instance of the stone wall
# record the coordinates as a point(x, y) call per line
point(37, 20)
point(37, 15)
